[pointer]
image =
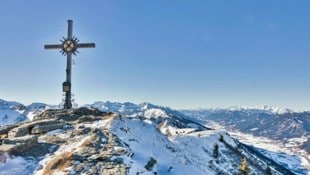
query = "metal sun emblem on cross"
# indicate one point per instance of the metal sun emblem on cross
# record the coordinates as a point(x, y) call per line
point(69, 45)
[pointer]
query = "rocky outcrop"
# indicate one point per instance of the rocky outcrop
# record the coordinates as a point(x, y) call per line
point(19, 131)
point(6, 129)
point(98, 153)
point(26, 128)
point(69, 114)
point(40, 129)
point(93, 150)
point(19, 144)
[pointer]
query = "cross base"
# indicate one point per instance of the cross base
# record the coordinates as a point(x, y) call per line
point(68, 103)
point(66, 87)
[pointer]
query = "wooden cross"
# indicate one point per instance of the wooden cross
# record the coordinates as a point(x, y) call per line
point(68, 47)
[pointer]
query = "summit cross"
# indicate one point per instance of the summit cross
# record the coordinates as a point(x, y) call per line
point(68, 47)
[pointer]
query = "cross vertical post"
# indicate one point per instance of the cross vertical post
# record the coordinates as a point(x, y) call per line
point(68, 47)
point(68, 101)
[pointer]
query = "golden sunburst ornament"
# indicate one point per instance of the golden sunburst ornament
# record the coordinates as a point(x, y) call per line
point(69, 45)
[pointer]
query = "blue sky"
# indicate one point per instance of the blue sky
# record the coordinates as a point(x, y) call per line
point(177, 53)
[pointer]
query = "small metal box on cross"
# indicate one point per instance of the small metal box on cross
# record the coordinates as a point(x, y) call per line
point(68, 47)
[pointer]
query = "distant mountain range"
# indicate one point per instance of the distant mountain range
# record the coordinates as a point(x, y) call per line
point(283, 126)
point(190, 135)
point(14, 112)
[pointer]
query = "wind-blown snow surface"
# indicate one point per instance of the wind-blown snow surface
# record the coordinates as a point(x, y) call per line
point(179, 154)
point(16, 165)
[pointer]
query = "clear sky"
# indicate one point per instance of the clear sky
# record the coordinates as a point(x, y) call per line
point(177, 53)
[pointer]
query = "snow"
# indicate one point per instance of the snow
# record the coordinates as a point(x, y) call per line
point(277, 151)
point(291, 130)
point(251, 109)
point(16, 165)
point(54, 132)
point(99, 123)
point(254, 129)
point(185, 152)
point(148, 121)
point(8, 116)
point(31, 115)
point(154, 113)
point(14, 112)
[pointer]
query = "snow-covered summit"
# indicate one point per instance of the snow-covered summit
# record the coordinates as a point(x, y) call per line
point(9, 104)
point(125, 108)
point(12, 112)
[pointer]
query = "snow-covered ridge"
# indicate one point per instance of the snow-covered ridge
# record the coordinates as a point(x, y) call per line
point(147, 111)
point(250, 109)
point(12, 112)
point(128, 109)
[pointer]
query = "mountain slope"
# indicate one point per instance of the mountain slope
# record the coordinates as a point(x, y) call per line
point(13, 112)
point(145, 108)
point(285, 132)
point(258, 122)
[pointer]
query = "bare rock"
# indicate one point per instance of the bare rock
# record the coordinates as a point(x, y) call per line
point(69, 114)
point(19, 144)
point(27, 128)
point(6, 129)
point(119, 150)
point(19, 131)
point(89, 118)
point(54, 140)
point(119, 169)
point(97, 154)
point(6, 148)
point(86, 111)
point(40, 129)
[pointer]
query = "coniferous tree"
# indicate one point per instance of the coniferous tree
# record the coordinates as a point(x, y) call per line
point(221, 139)
point(243, 168)
point(215, 150)
point(268, 171)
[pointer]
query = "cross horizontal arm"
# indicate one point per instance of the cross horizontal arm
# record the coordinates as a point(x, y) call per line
point(53, 46)
point(86, 45)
